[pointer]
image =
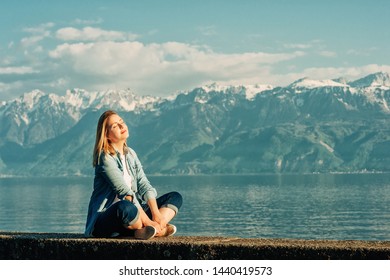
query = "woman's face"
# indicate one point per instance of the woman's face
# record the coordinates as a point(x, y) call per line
point(117, 129)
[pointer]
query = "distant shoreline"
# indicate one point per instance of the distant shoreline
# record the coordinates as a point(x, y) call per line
point(204, 175)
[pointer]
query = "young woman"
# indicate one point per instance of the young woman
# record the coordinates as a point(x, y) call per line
point(123, 202)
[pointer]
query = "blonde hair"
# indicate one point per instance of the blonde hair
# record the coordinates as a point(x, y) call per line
point(101, 142)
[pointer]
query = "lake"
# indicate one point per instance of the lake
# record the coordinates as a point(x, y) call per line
point(318, 206)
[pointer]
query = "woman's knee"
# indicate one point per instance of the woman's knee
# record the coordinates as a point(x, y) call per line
point(179, 197)
point(176, 199)
point(127, 212)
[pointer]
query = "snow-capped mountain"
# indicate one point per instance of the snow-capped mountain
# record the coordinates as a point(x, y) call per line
point(308, 126)
point(377, 80)
point(50, 115)
point(307, 83)
point(249, 91)
point(123, 100)
point(81, 99)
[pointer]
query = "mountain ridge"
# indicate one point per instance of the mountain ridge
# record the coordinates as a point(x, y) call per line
point(325, 126)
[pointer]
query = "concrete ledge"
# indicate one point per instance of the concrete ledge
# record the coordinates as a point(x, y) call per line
point(61, 246)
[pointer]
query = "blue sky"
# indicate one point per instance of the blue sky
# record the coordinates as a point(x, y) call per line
point(161, 47)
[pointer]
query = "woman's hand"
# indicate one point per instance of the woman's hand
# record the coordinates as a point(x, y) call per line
point(158, 218)
point(148, 222)
point(154, 224)
point(156, 214)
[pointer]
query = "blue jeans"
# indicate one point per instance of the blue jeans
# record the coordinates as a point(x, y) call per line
point(117, 217)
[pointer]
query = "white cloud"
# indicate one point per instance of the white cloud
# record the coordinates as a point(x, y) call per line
point(316, 46)
point(328, 53)
point(355, 52)
point(364, 52)
point(97, 59)
point(92, 34)
point(17, 70)
point(7, 89)
point(209, 30)
point(159, 68)
point(88, 21)
point(32, 40)
point(38, 33)
point(42, 28)
point(298, 46)
point(337, 72)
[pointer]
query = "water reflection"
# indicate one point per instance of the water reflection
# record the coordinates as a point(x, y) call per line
point(269, 206)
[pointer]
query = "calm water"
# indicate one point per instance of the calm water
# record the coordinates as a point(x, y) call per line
point(269, 206)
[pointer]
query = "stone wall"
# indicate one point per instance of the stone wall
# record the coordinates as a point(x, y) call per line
point(60, 246)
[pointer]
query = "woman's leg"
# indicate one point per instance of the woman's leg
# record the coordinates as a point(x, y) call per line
point(119, 219)
point(168, 204)
point(167, 213)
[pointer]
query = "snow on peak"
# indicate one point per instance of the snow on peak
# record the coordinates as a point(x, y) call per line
point(31, 98)
point(214, 87)
point(253, 90)
point(125, 100)
point(379, 80)
point(310, 84)
point(250, 91)
point(75, 101)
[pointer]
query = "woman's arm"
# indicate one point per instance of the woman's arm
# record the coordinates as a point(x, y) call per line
point(156, 214)
point(146, 221)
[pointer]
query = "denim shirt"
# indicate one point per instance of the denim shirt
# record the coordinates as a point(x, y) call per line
point(109, 184)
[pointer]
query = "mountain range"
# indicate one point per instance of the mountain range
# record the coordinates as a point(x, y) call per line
point(308, 126)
